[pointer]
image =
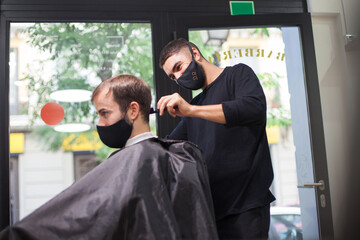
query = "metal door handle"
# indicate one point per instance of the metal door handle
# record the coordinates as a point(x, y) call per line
point(320, 184)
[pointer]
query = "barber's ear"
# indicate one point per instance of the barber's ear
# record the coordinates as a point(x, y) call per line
point(196, 54)
point(133, 111)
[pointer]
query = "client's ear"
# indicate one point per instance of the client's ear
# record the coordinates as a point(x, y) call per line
point(133, 111)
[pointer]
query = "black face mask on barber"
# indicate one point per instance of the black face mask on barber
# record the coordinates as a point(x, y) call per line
point(193, 77)
point(116, 135)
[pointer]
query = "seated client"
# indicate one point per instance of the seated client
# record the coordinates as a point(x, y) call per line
point(150, 188)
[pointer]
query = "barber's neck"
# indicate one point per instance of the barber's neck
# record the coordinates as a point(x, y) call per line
point(211, 71)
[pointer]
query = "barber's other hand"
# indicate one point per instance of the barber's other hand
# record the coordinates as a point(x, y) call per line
point(175, 105)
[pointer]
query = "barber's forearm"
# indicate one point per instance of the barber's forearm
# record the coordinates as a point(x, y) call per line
point(212, 113)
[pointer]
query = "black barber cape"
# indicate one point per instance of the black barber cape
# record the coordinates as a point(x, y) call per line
point(155, 189)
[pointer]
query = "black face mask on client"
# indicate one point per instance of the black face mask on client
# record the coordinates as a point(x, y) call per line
point(193, 77)
point(116, 135)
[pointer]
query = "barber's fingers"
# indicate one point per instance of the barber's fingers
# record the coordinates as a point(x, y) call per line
point(177, 106)
point(172, 106)
point(162, 103)
point(170, 102)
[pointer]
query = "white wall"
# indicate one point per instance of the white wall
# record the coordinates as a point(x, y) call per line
point(42, 175)
point(338, 66)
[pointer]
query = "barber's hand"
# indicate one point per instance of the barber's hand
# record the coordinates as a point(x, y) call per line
point(174, 104)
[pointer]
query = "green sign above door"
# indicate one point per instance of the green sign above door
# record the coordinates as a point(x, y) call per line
point(242, 8)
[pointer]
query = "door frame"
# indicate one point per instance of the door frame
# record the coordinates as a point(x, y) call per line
point(166, 27)
point(317, 139)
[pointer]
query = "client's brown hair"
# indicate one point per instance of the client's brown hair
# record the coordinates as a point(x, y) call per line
point(127, 88)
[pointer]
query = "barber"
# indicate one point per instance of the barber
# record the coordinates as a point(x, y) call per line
point(227, 121)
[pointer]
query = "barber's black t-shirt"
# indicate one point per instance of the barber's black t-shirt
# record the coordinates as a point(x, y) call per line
point(237, 153)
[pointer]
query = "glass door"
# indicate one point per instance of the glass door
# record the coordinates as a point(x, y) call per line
point(276, 53)
point(60, 63)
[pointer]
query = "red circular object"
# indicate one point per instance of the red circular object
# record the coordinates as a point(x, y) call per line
point(52, 113)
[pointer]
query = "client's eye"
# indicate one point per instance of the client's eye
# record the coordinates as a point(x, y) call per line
point(103, 113)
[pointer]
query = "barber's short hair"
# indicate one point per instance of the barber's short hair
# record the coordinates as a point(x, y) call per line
point(174, 47)
point(127, 88)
